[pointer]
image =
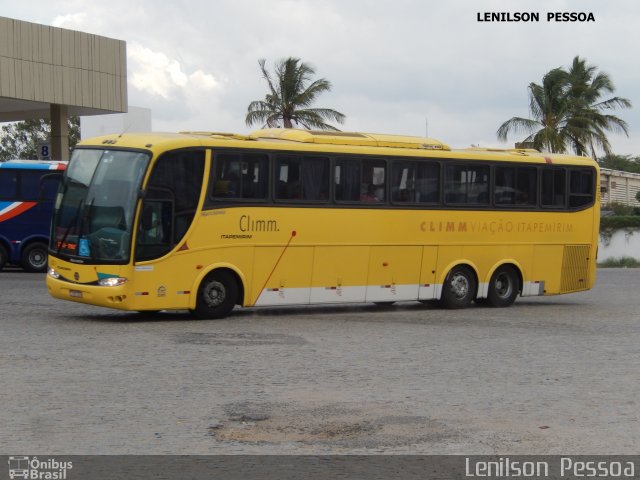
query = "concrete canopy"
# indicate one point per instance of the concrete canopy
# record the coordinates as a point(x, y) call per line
point(50, 72)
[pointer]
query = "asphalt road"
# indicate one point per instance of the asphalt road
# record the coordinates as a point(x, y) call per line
point(547, 375)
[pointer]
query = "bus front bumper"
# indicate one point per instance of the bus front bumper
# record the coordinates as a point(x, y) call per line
point(104, 296)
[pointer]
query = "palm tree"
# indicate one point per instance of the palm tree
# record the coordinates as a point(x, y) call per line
point(291, 93)
point(549, 110)
point(567, 111)
point(589, 120)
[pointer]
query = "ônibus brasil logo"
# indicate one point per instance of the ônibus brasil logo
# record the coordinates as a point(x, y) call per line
point(32, 468)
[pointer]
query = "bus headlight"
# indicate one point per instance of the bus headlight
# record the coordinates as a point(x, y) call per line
point(52, 273)
point(112, 281)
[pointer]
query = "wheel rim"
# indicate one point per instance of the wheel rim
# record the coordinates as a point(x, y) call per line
point(37, 258)
point(459, 285)
point(214, 294)
point(503, 285)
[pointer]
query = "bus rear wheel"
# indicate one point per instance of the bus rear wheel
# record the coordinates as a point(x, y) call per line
point(34, 257)
point(459, 288)
point(503, 287)
point(217, 295)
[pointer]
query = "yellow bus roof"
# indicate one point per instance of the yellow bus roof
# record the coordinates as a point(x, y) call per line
point(330, 142)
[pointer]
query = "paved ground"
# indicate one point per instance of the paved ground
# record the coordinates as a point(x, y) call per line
point(548, 375)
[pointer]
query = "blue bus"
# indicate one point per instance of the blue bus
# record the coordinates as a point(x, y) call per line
point(27, 192)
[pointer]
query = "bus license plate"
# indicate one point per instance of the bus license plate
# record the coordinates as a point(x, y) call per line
point(75, 293)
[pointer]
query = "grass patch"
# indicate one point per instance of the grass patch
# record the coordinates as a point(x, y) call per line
point(620, 262)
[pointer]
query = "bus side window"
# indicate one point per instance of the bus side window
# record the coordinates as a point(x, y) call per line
point(155, 218)
point(505, 186)
point(515, 186)
point(30, 184)
point(49, 186)
point(580, 187)
point(315, 178)
point(403, 182)
point(527, 186)
point(428, 182)
point(347, 180)
point(302, 178)
point(239, 176)
point(8, 184)
point(360, 180)
point(288, 178)
point(227, 179)
point(254, 171)
point(374, 178)
point(553, 187)
point(467, 184)
point(415, 182)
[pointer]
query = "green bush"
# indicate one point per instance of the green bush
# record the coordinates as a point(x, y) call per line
point(620, 262)
point(609, 225)
point(618, 222)
point(621, 209)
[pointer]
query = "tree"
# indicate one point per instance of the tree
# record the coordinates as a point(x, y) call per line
point(292, 91)
point(625, 163)
point(567, 111)
point(549, 111)
point(20, 140)
point(589, 119)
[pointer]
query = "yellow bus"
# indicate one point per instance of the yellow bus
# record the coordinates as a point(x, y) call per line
point(207, 221)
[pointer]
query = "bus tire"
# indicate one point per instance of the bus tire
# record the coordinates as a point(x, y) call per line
point(217, 295)
point(4, 255)
point(34, 257)
point(459, 288)
point(503, 287)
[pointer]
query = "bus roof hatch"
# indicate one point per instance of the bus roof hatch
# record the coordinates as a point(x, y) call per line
point(348, 138)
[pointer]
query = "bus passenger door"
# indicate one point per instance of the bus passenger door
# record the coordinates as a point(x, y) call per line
point(394, 273)
point(164, 262)
point(281, 275)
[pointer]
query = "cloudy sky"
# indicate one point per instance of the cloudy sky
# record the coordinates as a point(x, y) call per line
point(397, 66)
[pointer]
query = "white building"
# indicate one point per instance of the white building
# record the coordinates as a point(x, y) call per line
point(619, 186)
point(137, 119)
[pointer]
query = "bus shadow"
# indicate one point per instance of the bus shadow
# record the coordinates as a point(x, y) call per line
point(255, 312)
point(352, 312)
point(137, 317)
point(15, 270)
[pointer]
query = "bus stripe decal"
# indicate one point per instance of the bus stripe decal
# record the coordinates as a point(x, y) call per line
point(345, 295)
point(13, 209)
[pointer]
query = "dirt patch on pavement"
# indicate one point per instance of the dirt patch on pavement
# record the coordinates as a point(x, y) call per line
point(367, 427)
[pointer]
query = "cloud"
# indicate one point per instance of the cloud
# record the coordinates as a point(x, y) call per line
point(392, 64)
point(74, 21)
point(157, 74)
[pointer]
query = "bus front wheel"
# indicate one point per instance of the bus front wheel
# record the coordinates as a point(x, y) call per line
point(217, 295)
point(34, 257)
point(459, 288)
point(503, 287)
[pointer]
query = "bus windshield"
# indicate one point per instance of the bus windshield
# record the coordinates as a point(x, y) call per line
point(94, 210)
